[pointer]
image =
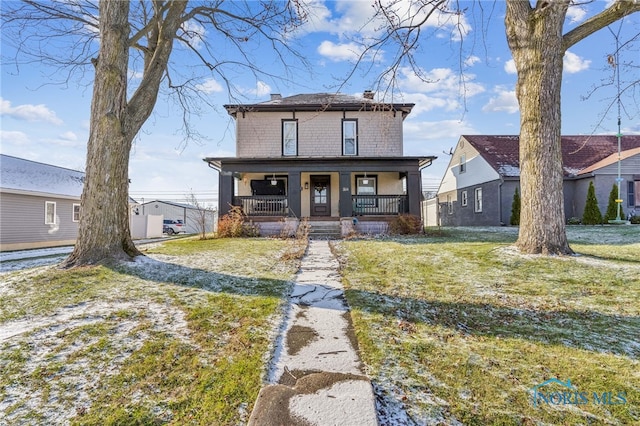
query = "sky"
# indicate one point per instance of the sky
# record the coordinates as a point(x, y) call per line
point(469, 89)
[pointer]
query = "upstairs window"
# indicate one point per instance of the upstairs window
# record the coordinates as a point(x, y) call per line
point(463, 163)
point(49, 213)
point(289, 137)
point(349, 137)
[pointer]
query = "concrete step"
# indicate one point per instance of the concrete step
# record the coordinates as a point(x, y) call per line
point(325, 230)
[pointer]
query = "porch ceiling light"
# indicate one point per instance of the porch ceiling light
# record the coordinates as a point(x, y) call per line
point(274, 181)
point(365, 181)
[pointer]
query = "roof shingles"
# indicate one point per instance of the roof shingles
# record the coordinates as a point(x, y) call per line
point(578, 152)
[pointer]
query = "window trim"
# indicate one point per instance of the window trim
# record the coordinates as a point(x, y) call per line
point(477, 200)
point(633, 193)
point(464, 198)
point(73, 212)
point(47, 221)
point(374, 202)
point(449, 204)
point(286, 121)
point(355, 142)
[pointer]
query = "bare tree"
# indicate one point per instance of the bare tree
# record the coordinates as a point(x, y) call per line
point(534, 31)
point(201, 214)
point(67, 33)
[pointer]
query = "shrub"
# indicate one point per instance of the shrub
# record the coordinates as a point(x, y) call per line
point(591, 215)
point(573, 221)
point(405, 224)
point(232, 225)
point(612, 207)
point(515, 209)
point(635, 220)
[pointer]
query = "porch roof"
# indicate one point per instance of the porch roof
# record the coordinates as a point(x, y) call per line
point(281, 164)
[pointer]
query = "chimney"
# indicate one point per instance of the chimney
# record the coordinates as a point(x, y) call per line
point(368, 94)
point(276, 96)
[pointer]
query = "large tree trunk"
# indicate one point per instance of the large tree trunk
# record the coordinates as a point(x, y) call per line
point(104, 233)
point(104, 219)
point(535, 40)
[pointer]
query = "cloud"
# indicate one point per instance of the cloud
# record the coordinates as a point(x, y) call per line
point(504, 101)
point(576, 14)
point(510, 67)
point(262, 88)
point(574, 63)
point(209, 86)
point(415, 130)
point(471, 61)
point(14, 137)
point(29, 112)
point(193, 33)
point(443, 83)
point(68, 136)
point(340, 52)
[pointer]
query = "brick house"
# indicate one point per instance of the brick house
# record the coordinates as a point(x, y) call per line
point(484, 172)
point(322, 156)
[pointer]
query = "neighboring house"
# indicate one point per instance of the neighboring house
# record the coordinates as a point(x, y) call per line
point(484, 171)
point(190, 215)
point(39, 204)
point(322, 156)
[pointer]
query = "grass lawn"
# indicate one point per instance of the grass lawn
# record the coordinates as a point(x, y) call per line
point(462, 328)
point(179, 337)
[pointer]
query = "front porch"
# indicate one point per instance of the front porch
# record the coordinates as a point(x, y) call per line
point(268, 190)
point(361, 205)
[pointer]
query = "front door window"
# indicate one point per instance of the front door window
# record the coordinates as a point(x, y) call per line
point(320, 196)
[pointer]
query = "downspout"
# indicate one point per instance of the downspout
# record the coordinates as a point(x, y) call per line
point(500, 200)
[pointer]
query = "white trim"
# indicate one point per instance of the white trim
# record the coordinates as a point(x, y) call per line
point(477, 200)
point(47, 220)
point(73, 212)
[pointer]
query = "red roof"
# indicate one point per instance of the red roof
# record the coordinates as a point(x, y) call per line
point(578, 152)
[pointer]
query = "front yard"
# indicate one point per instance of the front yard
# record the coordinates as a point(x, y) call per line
point(461, 329)
point(454, 329)
point(180, 337)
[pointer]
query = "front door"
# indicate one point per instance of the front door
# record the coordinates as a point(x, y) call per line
point(320, 195)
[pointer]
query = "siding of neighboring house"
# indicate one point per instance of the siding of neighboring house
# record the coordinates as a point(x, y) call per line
point(259, 134)
point(23, 222)
point(459, 215)
point(189, 216)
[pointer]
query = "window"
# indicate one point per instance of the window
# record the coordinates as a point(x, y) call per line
point(449, 204)
point(633, 193)
point(349, 137)
point(463, 198)
point(76, 213)
point(367, 186)
point(49, 213)
point(463, 163)
point(478, 200)
point(289, 137)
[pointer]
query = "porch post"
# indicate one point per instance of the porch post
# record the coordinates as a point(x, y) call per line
point(346, 206)
point(294, 193)
point(225, 192)
point(414, 192)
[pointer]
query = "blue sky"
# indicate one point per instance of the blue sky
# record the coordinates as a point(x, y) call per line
point(50, 123)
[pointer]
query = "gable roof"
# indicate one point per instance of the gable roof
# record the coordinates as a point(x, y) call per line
point(612, 159)
point(578, 152)
point(171, 203)
point(320, 102)
point(26, 176)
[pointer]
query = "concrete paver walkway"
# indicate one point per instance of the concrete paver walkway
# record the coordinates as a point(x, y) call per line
point(317, 376)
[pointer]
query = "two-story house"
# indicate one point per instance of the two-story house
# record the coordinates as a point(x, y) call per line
point(322, 156)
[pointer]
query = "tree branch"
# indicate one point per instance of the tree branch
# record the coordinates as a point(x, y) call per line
point(608, 16)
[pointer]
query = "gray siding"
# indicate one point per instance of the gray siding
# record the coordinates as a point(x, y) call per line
point(22, 220)
point(466, 215)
